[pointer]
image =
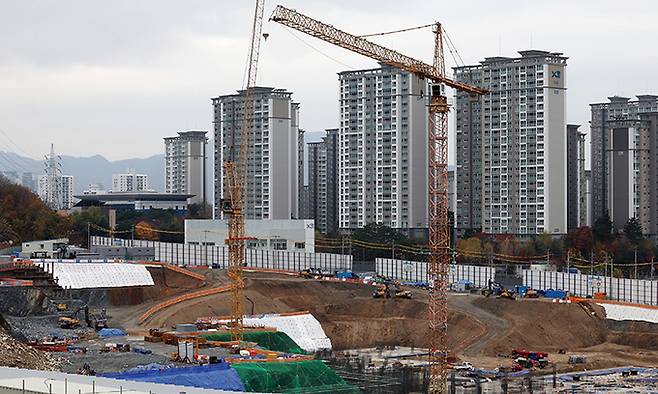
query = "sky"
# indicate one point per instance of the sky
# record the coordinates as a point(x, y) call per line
point(115, 77)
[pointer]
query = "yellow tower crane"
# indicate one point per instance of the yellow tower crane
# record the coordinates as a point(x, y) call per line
point(439, 233)
point(235, 169)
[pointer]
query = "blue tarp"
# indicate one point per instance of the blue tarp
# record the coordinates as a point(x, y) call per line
point(215, 376)
point(111, 332)
point(560, 294)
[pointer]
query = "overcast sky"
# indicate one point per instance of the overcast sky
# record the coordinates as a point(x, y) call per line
point(114, 77)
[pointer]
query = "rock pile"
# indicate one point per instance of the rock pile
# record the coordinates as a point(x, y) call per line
point(16, 354)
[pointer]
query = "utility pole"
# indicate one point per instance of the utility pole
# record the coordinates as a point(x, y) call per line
point(132, 235)
point(591, 263)
point(651, 267)
point(568, 261)
point(635, 260)
point(89, 236)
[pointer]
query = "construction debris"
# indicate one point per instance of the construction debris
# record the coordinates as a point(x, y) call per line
point(16, 354)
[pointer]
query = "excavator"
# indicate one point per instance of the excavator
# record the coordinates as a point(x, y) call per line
point(388, 290)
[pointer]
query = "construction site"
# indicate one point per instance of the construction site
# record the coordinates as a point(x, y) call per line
point(232, 318)
point(311, 332)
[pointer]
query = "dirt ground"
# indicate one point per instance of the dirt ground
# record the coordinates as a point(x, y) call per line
point(481, 330)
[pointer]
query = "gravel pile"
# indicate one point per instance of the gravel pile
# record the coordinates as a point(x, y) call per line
point(36, 328)
point(16, 354)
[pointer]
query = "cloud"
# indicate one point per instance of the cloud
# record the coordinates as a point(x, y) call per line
point(115, 77)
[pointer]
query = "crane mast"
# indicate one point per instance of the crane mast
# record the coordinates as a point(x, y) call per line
point(439, 232)
point(235, 175)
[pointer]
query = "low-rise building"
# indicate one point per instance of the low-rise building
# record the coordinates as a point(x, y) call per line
point(134, 201)
point(45, 249)
point(288, 234)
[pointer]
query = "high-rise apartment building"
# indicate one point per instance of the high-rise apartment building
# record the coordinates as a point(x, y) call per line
point(625, 161)
point(322, 182)
point(273, 181)
point(185, 165)
point(130, 182)
point(576, 181)
point(511, 145)
point(382, 149)
point(616, 132)
point(63, 188)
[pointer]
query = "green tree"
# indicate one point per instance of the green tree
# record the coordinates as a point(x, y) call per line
point(633, 230)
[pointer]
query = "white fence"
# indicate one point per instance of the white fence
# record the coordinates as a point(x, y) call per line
point(629, 290)
point(191, 255)
point(416, 271)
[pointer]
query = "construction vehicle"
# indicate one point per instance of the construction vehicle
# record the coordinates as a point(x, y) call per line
point(68, 322)
point(390, 290)
point(61, 307)
point(506, 294)
point(531, 293)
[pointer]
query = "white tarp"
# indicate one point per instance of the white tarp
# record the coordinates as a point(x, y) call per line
point(304, 329)
point(627, 312)
point(98, 275)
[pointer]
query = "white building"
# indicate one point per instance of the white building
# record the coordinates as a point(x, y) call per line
point(511, 145)
point(273, 166)
point(293, 235)
point(382, 149)
point(130, 182)
point(185, 165)
point(64, 189)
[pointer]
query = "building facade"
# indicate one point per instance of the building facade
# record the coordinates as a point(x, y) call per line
point(130, 182)
point(322, 182)
point(62, 190)
point(185, 165)
point(382, 149)
point(511, 145)
point(576, 182)
point(289, 234)
point(272, 188)
point(625, 161)
point(618, 137)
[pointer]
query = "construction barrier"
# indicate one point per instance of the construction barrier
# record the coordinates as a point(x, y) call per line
point(190, 296)
point(416, 271)
point(207, 255)
point(617, 289)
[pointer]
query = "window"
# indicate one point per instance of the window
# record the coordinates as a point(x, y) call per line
point(279, 244)
point(300, 245)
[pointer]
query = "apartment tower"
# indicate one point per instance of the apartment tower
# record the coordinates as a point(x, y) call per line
point(382, 149)
point(273, 163)
point(322, 182)
point(185, 165)
point(511, 145)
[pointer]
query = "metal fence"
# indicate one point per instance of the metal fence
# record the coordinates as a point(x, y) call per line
point(416, 271)
point(195, 255)
point(630, 290)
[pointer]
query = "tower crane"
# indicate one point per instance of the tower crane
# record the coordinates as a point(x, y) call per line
point(439, 234)
point(235, 169)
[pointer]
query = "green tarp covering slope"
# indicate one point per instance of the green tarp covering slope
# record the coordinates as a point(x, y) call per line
point(292, 377)
point(276, 341)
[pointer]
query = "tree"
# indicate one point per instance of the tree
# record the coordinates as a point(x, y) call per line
point(24, 217)
point(581, 239)
point(633, 230)
point(602, 228)
point(470, 249)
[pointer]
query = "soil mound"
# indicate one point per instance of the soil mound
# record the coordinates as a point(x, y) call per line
point(538, 324)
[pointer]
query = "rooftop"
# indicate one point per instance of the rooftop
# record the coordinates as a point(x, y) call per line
point(134, 196)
